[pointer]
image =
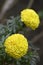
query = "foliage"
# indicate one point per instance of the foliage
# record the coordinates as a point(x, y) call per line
point(13, 25)
point(41, 14)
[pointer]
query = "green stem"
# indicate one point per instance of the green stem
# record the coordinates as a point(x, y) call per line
point(30, 3)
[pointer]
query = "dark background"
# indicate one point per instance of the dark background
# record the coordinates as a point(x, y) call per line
point(15, 10)
point(21, 4)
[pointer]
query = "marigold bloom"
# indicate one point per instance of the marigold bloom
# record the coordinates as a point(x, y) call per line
point(16, 45)
point(30, 18)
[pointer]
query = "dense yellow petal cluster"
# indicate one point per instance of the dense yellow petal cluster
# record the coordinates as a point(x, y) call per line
point(16, 45)
point(30, 18)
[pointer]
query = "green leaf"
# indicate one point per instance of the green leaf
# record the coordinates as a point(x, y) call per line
point(14, 25)
point(41, 14)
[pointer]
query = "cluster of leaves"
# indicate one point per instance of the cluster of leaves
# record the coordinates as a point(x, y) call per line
point(13, 25)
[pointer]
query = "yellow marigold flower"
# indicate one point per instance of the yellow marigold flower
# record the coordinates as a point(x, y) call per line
point(16, 45)
point(30, 18)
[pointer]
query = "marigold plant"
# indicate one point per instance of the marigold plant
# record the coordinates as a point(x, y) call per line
point(30, 18)
point(16, 45)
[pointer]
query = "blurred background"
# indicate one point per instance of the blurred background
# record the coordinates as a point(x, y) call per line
point(13, 8)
